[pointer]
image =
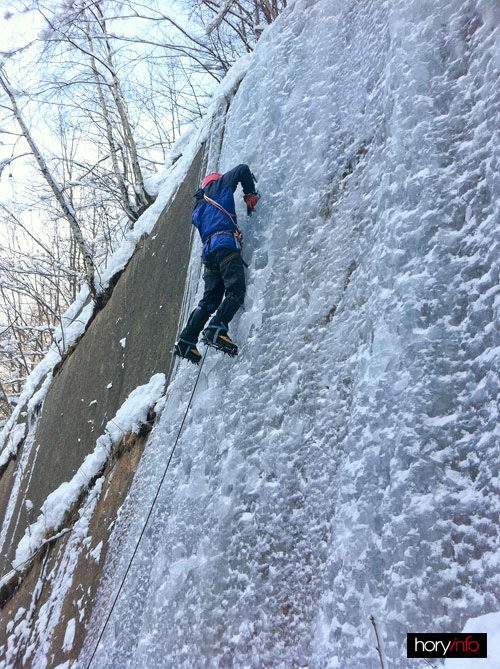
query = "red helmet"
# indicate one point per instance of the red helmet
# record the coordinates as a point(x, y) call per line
point(209, 178)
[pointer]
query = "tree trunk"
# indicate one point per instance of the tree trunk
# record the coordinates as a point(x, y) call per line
point(145, 199)
point(109, 130)
point(64, 203)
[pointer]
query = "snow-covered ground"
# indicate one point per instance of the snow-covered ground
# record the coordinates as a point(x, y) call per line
point(346, 464)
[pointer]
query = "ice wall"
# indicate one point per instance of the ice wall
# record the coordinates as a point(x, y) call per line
point(70, 450)
point(346, 464)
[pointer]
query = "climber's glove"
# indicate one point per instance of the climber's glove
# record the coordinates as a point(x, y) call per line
point(251, 200)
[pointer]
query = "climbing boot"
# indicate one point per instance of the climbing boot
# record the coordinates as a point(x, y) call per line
point(187, 350)
point(217, 337)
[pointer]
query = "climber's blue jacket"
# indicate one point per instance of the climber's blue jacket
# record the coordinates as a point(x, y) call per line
point(217, 229)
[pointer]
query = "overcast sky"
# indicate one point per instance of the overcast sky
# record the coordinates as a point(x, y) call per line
point(20, 29)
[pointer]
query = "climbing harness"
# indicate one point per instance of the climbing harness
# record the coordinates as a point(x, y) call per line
point(222, 232)
point(155, 499)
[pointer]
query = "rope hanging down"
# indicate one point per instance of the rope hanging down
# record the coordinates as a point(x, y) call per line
point(149, 513)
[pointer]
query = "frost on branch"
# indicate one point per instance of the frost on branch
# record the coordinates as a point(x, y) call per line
point(217, 20)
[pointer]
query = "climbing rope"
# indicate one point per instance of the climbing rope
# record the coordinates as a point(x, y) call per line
point(150, 512)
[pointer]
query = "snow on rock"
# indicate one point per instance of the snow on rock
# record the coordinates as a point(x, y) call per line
point(72, 326)
point(164, 185)
point(129, 418)
point(41, 622)
point(69, 635)
point(346, 464)
point(134, 411)
point(96, 553)
point(177, 165)
point(14, 439)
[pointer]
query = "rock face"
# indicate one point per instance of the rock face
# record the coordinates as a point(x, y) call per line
point(346, 463)
point(129, 341)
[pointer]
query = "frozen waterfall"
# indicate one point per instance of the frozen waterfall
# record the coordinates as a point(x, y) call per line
point(347, 463)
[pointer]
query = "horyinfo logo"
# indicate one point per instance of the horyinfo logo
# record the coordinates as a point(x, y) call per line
point(446, 645)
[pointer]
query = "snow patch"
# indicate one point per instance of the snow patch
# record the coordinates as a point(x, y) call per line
point(69, 635)
point(129, 418)
point(14, 439)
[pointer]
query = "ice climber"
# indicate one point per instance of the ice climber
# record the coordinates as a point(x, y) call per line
point(214, 215)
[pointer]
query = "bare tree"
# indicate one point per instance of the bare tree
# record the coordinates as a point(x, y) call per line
point(63, 201)
point(32, 296)
point(83, 36)
point(138, 75)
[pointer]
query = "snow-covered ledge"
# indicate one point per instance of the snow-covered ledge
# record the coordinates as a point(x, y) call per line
point(131, 416)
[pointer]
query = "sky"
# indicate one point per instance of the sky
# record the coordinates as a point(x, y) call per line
point(20, 28)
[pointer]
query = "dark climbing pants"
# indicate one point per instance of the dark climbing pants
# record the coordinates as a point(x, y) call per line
point(224, 277)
